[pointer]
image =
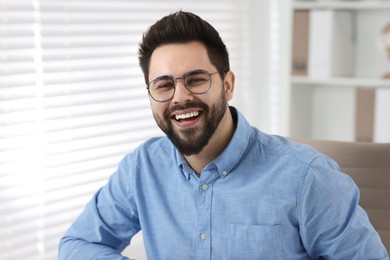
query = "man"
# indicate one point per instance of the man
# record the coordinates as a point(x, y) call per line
point(217, 188)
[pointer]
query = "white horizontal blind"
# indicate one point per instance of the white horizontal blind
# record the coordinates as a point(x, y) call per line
point(73, 103)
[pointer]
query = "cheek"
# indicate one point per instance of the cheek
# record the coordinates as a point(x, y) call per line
point(158, 109)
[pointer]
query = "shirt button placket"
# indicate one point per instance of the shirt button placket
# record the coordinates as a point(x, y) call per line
point(205, 194)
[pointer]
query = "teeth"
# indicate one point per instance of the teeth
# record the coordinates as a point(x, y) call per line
point(188, 115)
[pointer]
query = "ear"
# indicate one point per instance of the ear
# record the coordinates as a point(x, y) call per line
point(228, 83)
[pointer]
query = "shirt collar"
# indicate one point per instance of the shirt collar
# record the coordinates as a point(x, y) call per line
point(232, 154)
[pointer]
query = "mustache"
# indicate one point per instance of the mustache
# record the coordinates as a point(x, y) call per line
point(192, 104)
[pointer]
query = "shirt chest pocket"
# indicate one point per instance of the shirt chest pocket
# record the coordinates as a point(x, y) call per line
point(254, 242)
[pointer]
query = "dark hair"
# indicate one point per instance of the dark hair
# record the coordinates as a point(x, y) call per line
point(183, 27)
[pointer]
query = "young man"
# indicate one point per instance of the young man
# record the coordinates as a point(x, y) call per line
point(215, 187)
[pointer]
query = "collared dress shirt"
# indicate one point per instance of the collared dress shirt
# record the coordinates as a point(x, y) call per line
point(263, 197)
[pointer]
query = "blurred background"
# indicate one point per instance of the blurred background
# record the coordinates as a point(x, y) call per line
point(73, 101)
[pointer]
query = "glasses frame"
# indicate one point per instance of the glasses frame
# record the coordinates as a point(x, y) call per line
point(174, 80)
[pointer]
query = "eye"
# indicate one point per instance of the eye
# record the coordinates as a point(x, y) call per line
point(196, 80)
point(162, 85)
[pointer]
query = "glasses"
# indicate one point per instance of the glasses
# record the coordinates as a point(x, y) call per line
point(163, 88)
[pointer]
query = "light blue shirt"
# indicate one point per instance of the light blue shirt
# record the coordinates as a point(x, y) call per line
point(262, 198)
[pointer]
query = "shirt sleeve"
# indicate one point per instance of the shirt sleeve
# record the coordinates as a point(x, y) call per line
point(106, 225)
point(332, 224)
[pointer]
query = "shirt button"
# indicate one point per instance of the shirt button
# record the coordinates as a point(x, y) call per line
point(205, 186)
point(224, 173)
point(203, 236)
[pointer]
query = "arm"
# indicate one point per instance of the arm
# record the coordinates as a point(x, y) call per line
point(106, 225)
point(74, 248)
point(332, 224)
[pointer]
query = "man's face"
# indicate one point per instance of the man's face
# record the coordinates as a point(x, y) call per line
point(189, 120)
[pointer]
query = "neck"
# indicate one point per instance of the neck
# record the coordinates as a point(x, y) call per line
point(218, 142)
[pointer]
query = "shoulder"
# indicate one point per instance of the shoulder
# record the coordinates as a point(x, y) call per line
point(299, 153)
point(150, 146)
point(150, 152)
point(293, 161)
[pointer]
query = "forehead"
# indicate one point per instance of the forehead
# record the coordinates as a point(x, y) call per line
point(177, 59)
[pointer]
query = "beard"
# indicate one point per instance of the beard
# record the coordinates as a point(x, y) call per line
point(192, 140)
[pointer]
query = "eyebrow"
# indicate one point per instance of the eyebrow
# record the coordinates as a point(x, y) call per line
point(162, 78)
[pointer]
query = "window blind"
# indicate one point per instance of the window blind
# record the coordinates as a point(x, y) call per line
point(73, 103)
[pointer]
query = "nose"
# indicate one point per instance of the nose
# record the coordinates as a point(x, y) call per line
point(182, 94)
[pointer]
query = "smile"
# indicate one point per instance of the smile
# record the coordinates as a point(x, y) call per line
point(186, 116)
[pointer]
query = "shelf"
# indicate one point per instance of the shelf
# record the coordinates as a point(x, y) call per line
point(342, 81)
point(319, 102)
point(342, 5)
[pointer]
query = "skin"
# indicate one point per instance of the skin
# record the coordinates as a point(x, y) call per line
point(175, 60)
